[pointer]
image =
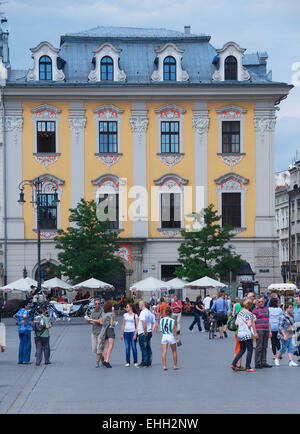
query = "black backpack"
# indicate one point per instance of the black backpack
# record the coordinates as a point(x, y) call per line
point(38, 323)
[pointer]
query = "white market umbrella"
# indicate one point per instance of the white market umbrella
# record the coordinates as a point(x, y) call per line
point(205, 282)
point(93, 284)
point(23, 285)
point(55, 282)
point(176, 283)
point(282, 287)
point(150, 284)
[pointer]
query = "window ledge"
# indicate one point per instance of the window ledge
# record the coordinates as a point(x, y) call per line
point(108, 158)
point(47, 234)
point(231, 158)
point(170, 158)
point(46, 158)
point(170, 232)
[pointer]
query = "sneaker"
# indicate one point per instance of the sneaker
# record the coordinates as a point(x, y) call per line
point(292, 363)
point(107, 364)
point(127, 364)
point(136, 365)
point(276, 361)
point(97, 365)
point(250, 370)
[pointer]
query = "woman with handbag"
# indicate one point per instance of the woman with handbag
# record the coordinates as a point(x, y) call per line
point(286, 334)
point(244, 321)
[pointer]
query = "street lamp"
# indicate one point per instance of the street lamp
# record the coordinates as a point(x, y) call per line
point(36, 201)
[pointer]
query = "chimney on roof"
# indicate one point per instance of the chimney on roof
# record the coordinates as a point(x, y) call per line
point(187, 30)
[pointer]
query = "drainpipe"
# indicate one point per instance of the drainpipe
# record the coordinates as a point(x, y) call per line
point(4, 188)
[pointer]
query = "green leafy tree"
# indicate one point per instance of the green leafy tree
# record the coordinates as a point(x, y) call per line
point(206, 251)
point(87, 247)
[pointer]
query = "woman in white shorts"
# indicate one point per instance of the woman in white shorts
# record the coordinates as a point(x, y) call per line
point(169, 337)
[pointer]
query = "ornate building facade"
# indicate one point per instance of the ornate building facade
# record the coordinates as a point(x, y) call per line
point(154, 124)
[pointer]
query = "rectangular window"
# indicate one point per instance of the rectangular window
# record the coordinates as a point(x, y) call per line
point(230, 137)
point(111, 209)
point(170, 137)
point(108, 137)
point(46, 137)
point(48, 212)
point(231, 209)
point(170, 210)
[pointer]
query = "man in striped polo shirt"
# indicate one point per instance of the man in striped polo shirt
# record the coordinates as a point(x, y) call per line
point(262, 332)
point(169, 336)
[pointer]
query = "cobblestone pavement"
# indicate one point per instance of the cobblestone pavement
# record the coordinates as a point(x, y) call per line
point(203, 384)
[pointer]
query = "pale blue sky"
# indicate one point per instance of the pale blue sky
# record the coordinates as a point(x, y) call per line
point(259, 25)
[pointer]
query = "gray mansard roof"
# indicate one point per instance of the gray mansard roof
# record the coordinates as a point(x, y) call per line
point(137, 56)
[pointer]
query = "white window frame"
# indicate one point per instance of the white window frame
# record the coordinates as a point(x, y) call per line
point(44, 49)
point(231, 49)
point(111, 184)
point(46, 113)
point(109, 50)
point(232, 183)
point(168, 50)
point(170, 184)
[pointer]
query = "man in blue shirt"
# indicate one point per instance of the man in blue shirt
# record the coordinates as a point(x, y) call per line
point(24, 329)
point(220, 306)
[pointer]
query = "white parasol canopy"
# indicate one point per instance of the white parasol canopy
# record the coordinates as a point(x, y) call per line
point(55, 282)
point(176, 283)
point(205, 282)
point(150, 284)
point(23, 285)
point(93, 284)
point(282, 287)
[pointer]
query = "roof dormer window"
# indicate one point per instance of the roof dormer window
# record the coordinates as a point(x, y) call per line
point(169, 69)
point(45, 68)
point(230, 64)
point(231, 71)
point(107, 69)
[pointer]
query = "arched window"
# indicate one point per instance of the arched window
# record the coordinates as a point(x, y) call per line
point(170, 69)
point(231, 68)
point(107, 69)
point(45, 68)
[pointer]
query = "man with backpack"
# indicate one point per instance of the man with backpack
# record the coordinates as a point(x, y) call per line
point(41, 325)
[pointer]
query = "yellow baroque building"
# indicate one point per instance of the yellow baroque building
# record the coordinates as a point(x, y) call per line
point(152, 124)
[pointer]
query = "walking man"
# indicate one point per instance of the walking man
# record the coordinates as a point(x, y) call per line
point(42, 338)
point(96, 322)
point(145, 328)
point(220, 306)
point(262, 332)
point(296, 315)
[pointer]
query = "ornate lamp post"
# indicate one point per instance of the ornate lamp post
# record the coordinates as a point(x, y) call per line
point(36, 201)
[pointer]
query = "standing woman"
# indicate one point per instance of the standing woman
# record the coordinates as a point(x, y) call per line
point(129, 333)
point(24, 329)
point(286, 333)
point(244, 321)
point(107, 334)
point(275, 312)
point(169, 337)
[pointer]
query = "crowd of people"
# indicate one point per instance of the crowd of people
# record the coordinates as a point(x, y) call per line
point(256, 318)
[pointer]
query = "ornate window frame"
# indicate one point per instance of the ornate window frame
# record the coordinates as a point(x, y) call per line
point(109, 50)
point(231, 49)
point(44, 49)
point(231, 113)
point(232, 183)
point(111, 184)
point(169, 50)
point(51, 184)
point(170, 112)
point(45, 113)
point(108, 113)
point(170, 183)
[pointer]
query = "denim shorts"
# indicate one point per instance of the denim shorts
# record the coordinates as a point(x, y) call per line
point(287, 345)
